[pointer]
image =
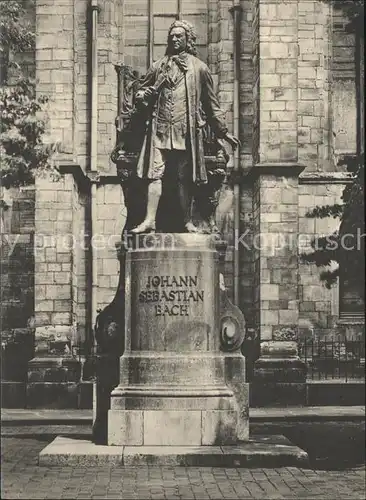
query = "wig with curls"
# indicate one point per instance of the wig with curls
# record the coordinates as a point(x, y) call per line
point(191, 36)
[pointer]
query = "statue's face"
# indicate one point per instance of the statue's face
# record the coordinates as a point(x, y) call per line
point(177, 40)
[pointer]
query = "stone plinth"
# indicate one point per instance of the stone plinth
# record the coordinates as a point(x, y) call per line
point(173, 387)
point(259, 451)
point(53, 382)
point(279, 375)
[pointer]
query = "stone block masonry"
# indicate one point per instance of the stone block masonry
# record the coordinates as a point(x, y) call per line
point(80, 268)
point(278, 373)
point(135, 36)
point(111, 216)
point(55, 68)
point(314, 84)
point(52, 249)
point(61, 292)
point(294, 43)
point(277, 61)
point(62, 74)
point(109, 25)
point(277, 217)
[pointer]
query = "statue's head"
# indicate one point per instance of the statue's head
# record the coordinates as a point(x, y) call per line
point(181, 38)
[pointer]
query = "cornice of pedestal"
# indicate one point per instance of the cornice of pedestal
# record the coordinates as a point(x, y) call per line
point(280, 169)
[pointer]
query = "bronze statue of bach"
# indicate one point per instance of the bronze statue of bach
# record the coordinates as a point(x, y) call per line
point(179, 95)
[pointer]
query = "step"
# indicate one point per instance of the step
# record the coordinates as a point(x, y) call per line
point(259, 451)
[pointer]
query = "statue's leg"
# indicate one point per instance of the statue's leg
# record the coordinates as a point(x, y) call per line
point(186, 202)
point(185, 189)
point(153, 196)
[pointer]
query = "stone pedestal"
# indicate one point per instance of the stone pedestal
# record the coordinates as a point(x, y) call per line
point(279, 376)
point(53, 382)
point(182, 399)
point(174, 384)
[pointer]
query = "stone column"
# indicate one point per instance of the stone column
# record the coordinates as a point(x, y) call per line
point(53, 374)
point(55, 67)
point(275, 202)
point(225, 63)
point(278, 53)
point(314, 85)
point(278, 372)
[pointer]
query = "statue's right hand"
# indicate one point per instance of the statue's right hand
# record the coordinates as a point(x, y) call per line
point(140, 95)
point(143, 95)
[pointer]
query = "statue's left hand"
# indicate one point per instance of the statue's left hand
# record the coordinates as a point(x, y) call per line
point(232, 140)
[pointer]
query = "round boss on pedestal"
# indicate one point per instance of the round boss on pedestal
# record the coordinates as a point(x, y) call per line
point(230, 334)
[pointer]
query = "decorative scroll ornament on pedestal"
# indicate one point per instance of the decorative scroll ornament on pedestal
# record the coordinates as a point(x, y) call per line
point(232, 322)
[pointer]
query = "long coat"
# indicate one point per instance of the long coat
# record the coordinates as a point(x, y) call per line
point(200, 96)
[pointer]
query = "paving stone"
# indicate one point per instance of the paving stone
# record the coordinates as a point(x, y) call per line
point(23, 478)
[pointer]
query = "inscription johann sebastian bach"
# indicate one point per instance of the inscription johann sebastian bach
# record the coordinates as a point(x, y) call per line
point(171, 295)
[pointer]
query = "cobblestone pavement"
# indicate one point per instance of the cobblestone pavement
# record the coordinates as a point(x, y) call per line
point(23, 478)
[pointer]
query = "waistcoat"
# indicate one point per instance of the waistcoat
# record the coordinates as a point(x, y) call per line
point(172, 116)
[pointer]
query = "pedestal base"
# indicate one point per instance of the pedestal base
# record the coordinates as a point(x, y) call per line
point(209, 408)
point(260, 451)
point(279, 376)
point(13, 394)
point(172, 427)
point(54, 382)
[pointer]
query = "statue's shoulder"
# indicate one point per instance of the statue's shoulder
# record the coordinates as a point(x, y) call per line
point(199, 64)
